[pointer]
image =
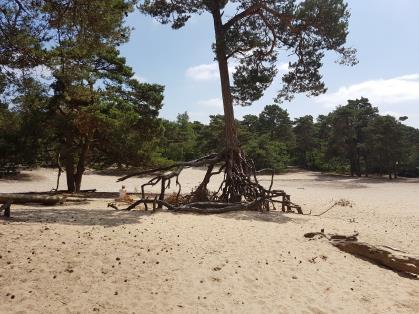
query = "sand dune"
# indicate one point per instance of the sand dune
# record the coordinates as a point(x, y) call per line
point(89, 258)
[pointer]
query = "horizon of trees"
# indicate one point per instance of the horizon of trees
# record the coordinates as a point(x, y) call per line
point(353, 139)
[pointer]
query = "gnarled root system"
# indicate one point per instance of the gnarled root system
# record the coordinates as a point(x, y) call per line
point(239, 189)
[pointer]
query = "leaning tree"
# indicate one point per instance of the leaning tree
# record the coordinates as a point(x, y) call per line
point(257, 34)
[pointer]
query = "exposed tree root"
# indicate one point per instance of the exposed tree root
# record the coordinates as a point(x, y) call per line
point(382, 255)
point(239, 189)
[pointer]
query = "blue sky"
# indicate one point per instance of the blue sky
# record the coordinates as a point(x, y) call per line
point(385, 33)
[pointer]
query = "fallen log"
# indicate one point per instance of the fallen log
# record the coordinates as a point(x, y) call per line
point(30, 199)
point(394, 259)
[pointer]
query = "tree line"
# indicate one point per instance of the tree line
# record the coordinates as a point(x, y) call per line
point(353, 139)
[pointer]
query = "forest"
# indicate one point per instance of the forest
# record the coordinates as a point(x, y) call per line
point(353, 139)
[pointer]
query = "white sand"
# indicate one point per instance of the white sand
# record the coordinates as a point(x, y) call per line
point(89, 258)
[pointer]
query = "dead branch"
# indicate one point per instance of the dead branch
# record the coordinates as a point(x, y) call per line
point(381, 255)
point(197, 207)
point(32, 199)
point(210, 159)
point(217, 208)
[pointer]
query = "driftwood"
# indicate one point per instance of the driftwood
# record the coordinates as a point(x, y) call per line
point(239, 190)
point(392, 258)
point(30, 199)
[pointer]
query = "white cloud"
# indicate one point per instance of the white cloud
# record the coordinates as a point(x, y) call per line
point(203, 72)
point(209, 72)
point(380, 92)
point(211, 103)
point(139, 78)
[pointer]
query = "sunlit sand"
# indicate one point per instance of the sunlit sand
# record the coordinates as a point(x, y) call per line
point(90, 258)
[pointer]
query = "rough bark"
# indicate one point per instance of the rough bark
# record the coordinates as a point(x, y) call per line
point(232, 143)
point(31, 199)
point(81, 165)
point(69, 171)
point(74, 172)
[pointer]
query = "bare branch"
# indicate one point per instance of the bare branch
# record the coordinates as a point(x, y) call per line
point(253, 9)
point(213, 158)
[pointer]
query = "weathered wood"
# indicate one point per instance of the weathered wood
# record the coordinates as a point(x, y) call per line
point(382, 255)
point(386, 257)
point(197, 207)
point(30, 199)
point(190, 208)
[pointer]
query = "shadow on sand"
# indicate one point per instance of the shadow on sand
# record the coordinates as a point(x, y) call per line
point(327, 177)
point(272, 216)
point(113, 218)
point(20, 177)
point(76, 216)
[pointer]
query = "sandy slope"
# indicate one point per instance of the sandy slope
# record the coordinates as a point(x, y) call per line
point(88, 258)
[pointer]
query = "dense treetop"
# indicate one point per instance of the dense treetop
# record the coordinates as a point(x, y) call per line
point(260, 33)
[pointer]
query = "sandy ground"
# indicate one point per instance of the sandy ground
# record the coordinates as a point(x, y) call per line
point(89, 258)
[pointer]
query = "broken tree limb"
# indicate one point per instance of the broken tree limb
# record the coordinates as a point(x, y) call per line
point(381, 255)
point(30, 199)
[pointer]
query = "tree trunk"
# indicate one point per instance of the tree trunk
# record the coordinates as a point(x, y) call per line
point(366, 166)
point(31, 199)
point(358, 163)
point(80, 165)
point(232, 143)
point(232, 152)
point(69, 170)
point(75, 174)
point(352, 168)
